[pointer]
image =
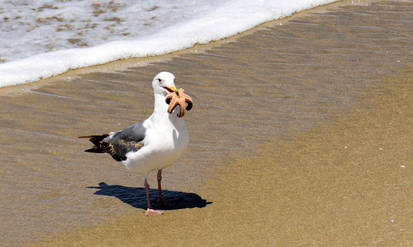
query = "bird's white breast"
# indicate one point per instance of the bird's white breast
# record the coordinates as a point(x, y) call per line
point(165, 142)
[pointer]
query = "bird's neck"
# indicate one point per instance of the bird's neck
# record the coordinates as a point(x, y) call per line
point(160, 110)
point(160, 106)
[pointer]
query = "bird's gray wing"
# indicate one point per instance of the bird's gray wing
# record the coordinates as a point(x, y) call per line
point(125, 141)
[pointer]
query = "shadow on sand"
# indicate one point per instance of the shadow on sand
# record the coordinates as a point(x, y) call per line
point(136, 197)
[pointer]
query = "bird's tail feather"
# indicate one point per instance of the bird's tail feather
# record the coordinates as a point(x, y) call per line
point(97, 140)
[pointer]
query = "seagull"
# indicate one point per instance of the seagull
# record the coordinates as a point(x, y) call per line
point(149, 145)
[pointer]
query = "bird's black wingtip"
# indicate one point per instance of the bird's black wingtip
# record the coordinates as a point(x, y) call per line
point(94, 150)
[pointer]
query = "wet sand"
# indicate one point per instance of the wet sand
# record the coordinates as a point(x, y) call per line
point(346, 183)
point(299, 136)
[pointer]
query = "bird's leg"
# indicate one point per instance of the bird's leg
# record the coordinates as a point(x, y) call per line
point(159, 198)
point(149, 210)
point(148, 199)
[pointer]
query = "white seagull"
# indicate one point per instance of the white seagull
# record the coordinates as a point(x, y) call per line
point(152, 144)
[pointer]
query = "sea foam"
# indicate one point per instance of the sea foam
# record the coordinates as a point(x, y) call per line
point(213, 21)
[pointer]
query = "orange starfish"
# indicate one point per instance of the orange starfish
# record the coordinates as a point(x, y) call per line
point(181, 99)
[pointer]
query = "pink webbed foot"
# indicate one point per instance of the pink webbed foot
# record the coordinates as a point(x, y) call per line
point(151, 211)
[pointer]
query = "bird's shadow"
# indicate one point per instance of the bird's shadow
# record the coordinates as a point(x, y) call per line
point(136, 197)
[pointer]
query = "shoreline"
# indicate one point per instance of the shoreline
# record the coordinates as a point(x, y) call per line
point(124, 64)
point(290, 94)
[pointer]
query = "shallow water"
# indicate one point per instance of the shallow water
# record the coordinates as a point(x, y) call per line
point(273, 83)
point(44, 26)
point(49, 38)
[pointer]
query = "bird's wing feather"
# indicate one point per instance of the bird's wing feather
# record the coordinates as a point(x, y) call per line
point(120, 143)
point(134, 133)
point(125, 141)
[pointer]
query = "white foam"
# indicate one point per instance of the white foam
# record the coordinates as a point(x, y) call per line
point(211, 22)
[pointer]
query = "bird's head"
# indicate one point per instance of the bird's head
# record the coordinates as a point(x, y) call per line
point(164, 83)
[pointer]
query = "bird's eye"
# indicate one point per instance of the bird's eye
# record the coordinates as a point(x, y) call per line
point(159, 79)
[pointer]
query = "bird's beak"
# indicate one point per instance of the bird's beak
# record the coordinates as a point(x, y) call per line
point(172, 89)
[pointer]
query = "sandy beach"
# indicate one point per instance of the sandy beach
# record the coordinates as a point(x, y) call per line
point(300, 136)
point(344, 183)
